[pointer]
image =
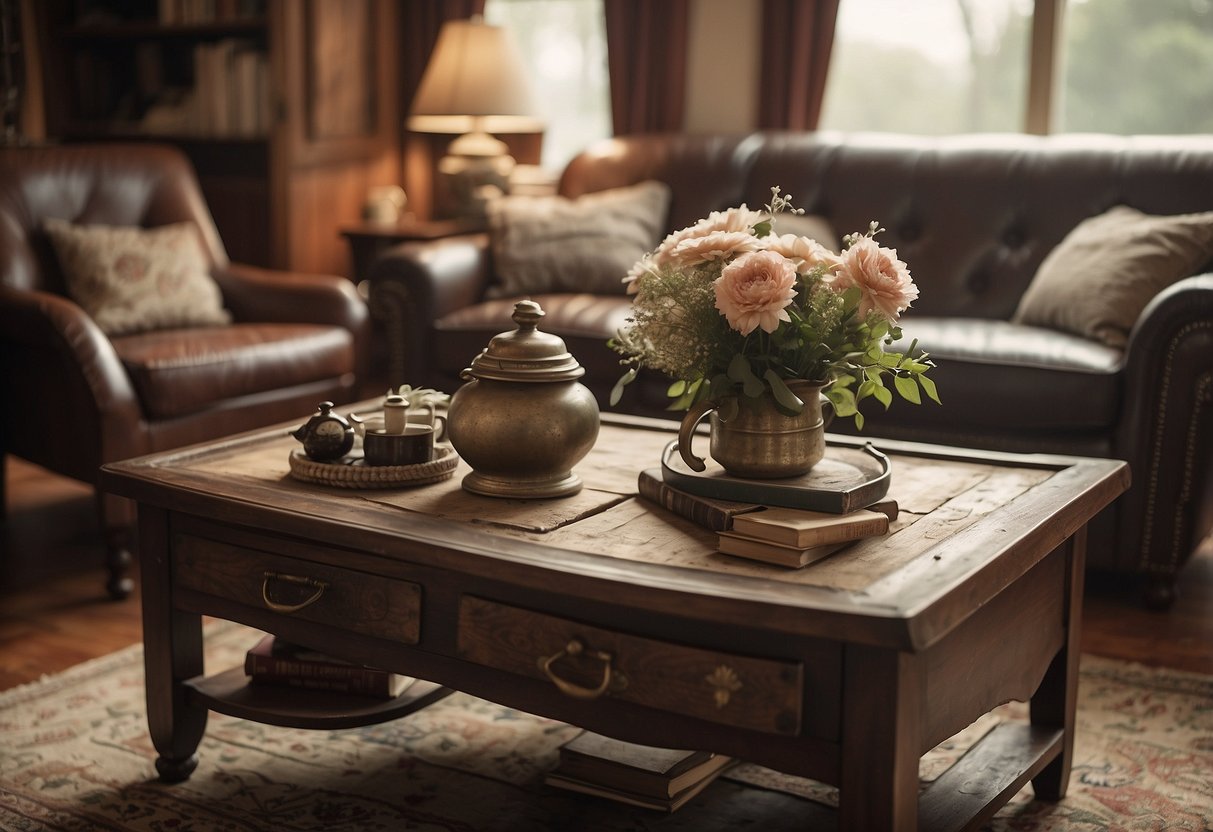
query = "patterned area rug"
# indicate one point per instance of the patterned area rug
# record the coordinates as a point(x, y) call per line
point(75, 755)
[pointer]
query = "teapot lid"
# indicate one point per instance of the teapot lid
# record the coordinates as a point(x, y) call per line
point(526, 354)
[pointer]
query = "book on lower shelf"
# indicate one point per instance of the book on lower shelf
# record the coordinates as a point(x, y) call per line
point(274, 661)
point(640, 775)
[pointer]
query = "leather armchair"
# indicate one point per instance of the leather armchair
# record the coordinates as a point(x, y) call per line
point(77, 398)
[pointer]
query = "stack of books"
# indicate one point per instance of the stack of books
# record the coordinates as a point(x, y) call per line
point(638, 775)
point(273, 661)
point(783, 536)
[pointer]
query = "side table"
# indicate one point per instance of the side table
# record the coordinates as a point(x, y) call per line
point(367, 241)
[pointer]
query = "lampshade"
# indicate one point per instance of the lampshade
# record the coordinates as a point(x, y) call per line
point(475, 80)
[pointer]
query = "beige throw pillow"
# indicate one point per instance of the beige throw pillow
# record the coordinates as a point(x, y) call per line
point(588, 244)
point(138, 279)
point(1103, 274)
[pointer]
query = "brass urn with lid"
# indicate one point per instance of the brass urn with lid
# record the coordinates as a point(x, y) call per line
point(522, 420)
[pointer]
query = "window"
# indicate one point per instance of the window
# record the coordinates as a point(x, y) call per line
point(563, 43)
point(1138, 67)
point(952, 66)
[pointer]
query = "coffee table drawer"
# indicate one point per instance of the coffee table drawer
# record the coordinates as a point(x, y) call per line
point(591, 662)
point(357, 601)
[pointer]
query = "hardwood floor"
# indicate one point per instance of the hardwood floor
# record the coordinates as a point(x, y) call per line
point(54, 612)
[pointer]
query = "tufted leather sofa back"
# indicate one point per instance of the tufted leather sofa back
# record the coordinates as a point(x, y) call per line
point(116, 184)
point(973, 215)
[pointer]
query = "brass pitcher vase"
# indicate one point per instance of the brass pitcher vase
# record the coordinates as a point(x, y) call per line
point(756, 440)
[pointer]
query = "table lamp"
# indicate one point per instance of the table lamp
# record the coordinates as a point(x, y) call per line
point(475, 84)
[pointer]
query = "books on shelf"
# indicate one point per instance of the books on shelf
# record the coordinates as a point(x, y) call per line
point(639, 775)
point(273, 661)
point(716, 515)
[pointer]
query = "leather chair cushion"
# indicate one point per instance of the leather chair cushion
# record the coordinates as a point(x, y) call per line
point(176, 373)
point(999, 375)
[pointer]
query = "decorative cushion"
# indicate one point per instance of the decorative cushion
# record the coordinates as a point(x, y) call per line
point(1101, 276)
point(588, 244)
point(138, 279)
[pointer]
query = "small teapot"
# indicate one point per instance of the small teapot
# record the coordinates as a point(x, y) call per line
point(326, 436)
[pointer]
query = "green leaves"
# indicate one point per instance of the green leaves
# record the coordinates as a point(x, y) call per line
point(624, 380)
point(741, 372)
point(907, 388)
point(786, 399)
point(928, 387)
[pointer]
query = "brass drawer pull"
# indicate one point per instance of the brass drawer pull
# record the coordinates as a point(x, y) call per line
point(575, 647)
point(317, 586)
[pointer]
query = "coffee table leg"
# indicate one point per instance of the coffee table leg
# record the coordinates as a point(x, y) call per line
point(172, 652)
point(1055, 702)
point(880, 740)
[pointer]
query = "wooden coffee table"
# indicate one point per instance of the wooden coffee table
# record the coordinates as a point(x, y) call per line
point(605, 611)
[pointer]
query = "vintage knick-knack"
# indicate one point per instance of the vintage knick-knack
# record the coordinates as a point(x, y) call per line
point(522, 420)
point(326, 436)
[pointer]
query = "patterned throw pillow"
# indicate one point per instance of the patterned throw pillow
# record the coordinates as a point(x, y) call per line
point(588, 244)
point(138, 279)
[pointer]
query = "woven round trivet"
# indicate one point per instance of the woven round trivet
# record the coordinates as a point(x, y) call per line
point(354, 473)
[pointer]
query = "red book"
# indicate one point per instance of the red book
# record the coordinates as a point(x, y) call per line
point(272, 661)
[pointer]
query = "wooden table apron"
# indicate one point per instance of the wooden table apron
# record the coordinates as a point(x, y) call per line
point(846, 687)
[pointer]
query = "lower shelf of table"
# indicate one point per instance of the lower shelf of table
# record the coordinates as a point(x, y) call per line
point(987, 776)
point(230, 693)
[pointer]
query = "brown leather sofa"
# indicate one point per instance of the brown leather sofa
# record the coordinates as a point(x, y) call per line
point(76, 398)
point(973, 216)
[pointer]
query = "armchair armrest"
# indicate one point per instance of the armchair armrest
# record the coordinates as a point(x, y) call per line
point(265, 295)
point(414, 284)
point(1166, 430)
point(58, 359)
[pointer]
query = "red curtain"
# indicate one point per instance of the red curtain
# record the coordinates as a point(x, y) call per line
point(646, 59)
point(797, 37)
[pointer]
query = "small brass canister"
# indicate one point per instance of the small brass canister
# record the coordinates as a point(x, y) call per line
point(522, 420)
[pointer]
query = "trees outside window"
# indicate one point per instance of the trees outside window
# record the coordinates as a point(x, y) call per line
point(949, 66)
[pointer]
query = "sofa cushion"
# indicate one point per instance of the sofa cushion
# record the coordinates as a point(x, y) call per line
point(587, 244)
point(996, 375)
point(138, 279)
point(176, 376)
point(1105, 271)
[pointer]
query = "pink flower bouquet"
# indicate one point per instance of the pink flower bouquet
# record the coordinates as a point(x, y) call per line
point(727, 306)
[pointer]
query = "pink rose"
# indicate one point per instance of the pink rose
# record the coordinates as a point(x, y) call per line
point(805, 252)
point(719, 245)
point(754, 291)
point(734, 219)
point(884, 280)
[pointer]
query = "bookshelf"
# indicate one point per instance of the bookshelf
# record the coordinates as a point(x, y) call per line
point(287, 108)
